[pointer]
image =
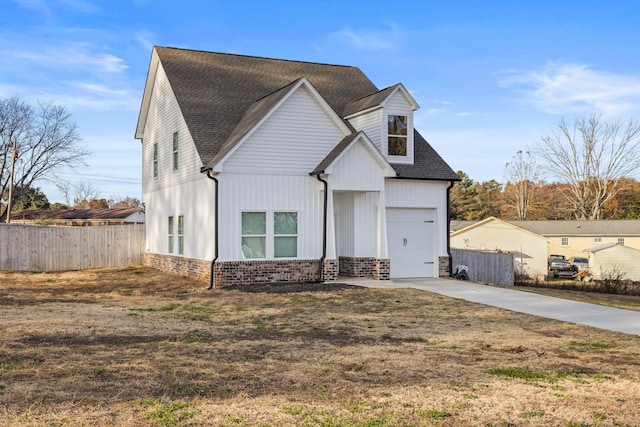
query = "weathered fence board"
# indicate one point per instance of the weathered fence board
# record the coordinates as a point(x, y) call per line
point(49, 248)
point(489, 267)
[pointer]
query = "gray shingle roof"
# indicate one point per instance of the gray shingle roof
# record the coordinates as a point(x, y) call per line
point(618, 227)
point(333, 154)
point(368, 101)
point(222, 96)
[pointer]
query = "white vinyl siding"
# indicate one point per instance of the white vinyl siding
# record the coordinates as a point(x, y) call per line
point(293, 140)
point(370, 123)
point(165, 118)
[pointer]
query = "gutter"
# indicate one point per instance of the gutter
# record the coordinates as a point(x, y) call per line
point(451, 184)
point(217, 221)
point(324, 228)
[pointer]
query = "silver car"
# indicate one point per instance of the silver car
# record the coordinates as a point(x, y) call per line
point(578, 263)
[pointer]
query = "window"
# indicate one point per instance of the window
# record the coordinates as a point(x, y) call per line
point(285, 231)
point(621, 240)
point(170, 234)
point(270, 235)
point(175, 151)
point(397, 134)
point(180, 234)
point(155, 159)
point(564, 241)
point(254, 234)
point(597, 240)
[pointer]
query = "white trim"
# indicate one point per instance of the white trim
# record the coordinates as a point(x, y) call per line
point(148, 92)
point(269, 236)
point(373, 150)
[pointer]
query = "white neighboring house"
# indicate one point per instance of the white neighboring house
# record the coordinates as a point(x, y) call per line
point(614, 260)
point(267, 170)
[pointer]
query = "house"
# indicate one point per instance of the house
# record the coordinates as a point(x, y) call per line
point(492, 234)
point(568, 238)
point(614, 261)
point(269, 170)
point(79, 217)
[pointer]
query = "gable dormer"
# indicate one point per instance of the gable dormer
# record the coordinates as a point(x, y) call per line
point(387, 119)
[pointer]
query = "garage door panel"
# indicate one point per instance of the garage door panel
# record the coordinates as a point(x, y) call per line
point(411, 242)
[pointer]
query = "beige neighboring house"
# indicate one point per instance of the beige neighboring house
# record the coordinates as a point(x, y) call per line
point(614, 260)
point(572, 238)
point(492, 234)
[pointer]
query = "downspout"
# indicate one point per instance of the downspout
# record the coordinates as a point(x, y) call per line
point(217, 221)
point(324, 228)
point(451, 184)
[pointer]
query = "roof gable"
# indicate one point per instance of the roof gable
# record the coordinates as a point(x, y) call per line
point(491, 219)
point(260, 111)
point(378, 100)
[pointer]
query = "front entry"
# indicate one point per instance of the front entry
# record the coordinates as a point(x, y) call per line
point(411, 242)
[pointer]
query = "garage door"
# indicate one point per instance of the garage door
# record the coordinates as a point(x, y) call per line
point(411, 240)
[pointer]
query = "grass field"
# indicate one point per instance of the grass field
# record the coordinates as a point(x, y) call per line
point(133, 346)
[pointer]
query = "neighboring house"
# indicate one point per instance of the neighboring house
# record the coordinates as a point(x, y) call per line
point(268, 170)
point(568, 238)
point(79, 217)
point(614, 261)
point(492, 234)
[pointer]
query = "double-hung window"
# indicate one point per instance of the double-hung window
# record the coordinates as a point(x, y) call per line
point(170, 243)
point(175, 151)
point(397, 135)
point(270, 234)
point(155, 159)
point(564, 241)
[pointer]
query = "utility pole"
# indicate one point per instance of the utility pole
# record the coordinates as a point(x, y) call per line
point(14, 156)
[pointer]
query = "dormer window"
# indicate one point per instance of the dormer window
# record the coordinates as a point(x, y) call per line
point(397, 134)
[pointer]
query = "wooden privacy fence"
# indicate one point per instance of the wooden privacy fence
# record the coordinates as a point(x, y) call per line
point(48, 248)
point(488, 267)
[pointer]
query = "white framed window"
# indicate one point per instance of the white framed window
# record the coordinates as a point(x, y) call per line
point(155, 159)
point(597, 240)
point(175, 151)
point(270, 234)
point(397, 132)
point(621, 240)
point(564, 241)
point(180, 234)
point(170, 235)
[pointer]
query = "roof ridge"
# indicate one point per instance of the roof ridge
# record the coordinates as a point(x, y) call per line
point(260, 57)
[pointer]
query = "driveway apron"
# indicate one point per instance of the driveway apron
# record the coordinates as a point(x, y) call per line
point(599, 316)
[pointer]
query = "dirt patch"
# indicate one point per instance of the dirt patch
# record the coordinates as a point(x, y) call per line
point(138, 347)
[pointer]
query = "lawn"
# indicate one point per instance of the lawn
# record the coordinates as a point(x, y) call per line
point(133, 347)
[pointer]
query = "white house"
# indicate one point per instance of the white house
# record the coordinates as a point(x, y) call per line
point(268, 170)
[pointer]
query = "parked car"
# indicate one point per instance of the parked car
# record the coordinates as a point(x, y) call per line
point(559, 266)
point(579, 263)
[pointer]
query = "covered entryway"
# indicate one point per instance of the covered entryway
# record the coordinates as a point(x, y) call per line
point(411, 242)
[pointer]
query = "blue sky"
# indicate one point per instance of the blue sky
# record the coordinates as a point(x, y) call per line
point(491, 77)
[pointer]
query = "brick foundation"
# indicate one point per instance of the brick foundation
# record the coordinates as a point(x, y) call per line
point(242, 272)
point(373, 268)
point(443, 267)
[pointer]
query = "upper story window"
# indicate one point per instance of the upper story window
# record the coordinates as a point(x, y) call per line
point(155, 159)
point(597, 240)
point(397, 134)
point(621, 240)
point(564, 241)
point(175, 151)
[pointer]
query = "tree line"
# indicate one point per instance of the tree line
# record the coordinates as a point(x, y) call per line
point(591, 165)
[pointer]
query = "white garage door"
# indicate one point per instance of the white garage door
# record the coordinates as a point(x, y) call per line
point(411, 240)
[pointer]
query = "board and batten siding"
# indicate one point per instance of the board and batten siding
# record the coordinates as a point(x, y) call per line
point(195, 201)
point(58, 248)
point(293, 140)
point(404, 193)
point(163, 119)
point(356, 216)
point(270, 193)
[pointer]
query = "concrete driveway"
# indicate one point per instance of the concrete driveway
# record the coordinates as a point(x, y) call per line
point(614, 319)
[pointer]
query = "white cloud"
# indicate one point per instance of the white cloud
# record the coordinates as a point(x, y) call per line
point(560, 88)
point(145, 39)
point(371, 40)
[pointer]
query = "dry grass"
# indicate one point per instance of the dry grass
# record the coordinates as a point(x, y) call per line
point(136, 347)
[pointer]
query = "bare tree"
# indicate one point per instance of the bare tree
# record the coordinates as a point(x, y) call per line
point(46, 140)
point(592, 158)
point(523, 178)
point(83, 194)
